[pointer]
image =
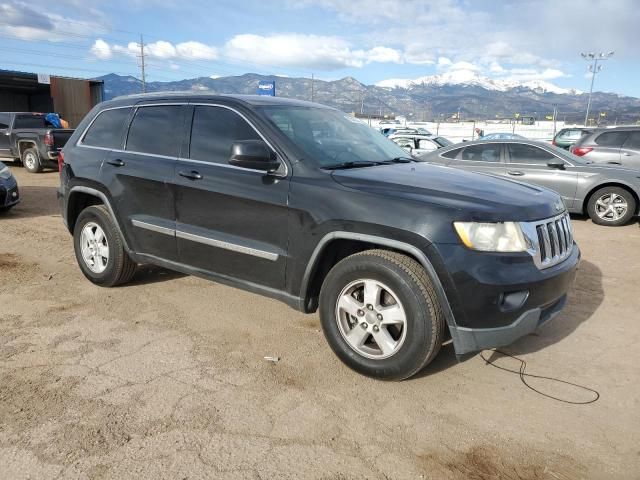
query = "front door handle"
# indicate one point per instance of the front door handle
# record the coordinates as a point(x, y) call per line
point(192, 175)
point(626, 154)
point(515, 173)
point(116, 163)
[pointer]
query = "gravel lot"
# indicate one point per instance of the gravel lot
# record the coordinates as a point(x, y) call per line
point(165, 378)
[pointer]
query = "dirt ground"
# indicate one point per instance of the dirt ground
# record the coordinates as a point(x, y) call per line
point(165, 378)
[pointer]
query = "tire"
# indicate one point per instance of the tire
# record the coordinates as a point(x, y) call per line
point(109, 265)
point(31, 160)
point(403, 283)
point(600, 212)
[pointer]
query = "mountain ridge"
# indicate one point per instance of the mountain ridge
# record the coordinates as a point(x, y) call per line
point(420, 101)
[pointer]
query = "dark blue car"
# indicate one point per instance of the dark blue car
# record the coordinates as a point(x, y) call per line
point(9, 195)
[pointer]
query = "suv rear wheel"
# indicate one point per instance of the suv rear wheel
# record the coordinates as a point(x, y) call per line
point(99, 248)
point(611, 206)
point(380, 314)
point(31, 160)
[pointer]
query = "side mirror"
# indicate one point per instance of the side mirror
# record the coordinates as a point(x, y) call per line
point(558, 164)
point(254, 154)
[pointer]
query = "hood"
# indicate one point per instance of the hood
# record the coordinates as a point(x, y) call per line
point(475, 196)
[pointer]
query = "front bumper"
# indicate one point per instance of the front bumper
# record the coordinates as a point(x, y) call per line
point(9, 194)
point(497, 299)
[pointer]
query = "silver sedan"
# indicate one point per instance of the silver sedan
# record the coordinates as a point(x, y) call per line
point(609, 194)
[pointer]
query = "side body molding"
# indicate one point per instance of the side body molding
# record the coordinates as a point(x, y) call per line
point(387, 242)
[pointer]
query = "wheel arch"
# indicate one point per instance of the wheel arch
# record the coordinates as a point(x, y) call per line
point(335, 246)
point(616, 184)
point(24, 144)
point(81, 197)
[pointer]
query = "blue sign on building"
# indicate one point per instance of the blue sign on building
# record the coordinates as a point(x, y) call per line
point(267, 88)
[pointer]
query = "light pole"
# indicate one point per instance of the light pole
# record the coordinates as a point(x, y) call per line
point(593, 68)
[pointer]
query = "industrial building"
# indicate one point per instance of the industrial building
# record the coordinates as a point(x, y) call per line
point(71, 98)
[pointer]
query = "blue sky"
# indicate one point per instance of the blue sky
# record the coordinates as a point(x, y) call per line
point(371, 40)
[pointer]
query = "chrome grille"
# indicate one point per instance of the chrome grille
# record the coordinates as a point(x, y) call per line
point(550, 240)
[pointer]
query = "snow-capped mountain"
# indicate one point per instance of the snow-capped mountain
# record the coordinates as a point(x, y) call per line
point(471, 78)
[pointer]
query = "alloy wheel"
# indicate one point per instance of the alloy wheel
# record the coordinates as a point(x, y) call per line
point(94, 247)
point(371, 319)
point(611, 207)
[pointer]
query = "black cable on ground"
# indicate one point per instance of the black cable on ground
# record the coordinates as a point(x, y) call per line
point(523, 375)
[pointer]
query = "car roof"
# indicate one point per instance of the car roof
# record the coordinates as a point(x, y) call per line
point(503, 140)
point(252, 100)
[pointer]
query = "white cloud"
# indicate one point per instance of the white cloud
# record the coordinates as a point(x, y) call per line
point(309, 51)
point(101, 50)
point(161, 50)
point(28, 22)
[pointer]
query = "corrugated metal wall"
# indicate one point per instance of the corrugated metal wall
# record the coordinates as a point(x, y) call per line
point(71, 99)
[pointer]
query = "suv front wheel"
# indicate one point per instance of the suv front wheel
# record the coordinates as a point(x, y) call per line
point(100, 249)
point(380, 314)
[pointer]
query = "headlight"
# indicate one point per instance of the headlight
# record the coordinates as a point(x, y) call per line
point(492, 237)
point(5, 172)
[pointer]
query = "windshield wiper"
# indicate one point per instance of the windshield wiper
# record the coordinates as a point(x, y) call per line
point(400, 160)
point(352, 164)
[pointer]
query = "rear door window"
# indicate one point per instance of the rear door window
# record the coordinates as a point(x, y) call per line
point(107, 130)
point(521, 153)
point(489, 152)
point(611, 139)
point(156, 130)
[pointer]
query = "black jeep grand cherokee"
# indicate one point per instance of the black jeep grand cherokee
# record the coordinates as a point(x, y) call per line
point(305, 204)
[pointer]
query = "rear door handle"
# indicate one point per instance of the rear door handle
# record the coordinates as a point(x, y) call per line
point(116, 163)
point(192, 175)
point(515, 173)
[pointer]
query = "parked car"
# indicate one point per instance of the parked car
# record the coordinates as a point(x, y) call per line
point(419, 144)
point(392, 251)
point(618, 146)
point(9, 194)
point(568, 136)
point(387, 131)
point(27, 137)
point(607, 193)
point(502, 136)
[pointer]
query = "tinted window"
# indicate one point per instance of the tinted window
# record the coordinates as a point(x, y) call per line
point(452, 153)
point(213, 132)
point(4, 121)
point(107, 129)
point(155, 130)
point(571, 134)
point(611, 139)
point(29, 121)
point(520, 153)
point(633, 140)
point(482, 153)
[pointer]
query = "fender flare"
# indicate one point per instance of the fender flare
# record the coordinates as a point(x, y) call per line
point(105, 201)
point(386, 242)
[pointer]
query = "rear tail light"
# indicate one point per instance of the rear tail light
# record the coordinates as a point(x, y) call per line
point(48, 139)
point(581, 151)
point(553, 142)
point(60, 161)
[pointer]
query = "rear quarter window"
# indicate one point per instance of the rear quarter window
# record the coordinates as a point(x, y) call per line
point(29, 121)
point(107, 130)
point(611, 139)
point(451, 153)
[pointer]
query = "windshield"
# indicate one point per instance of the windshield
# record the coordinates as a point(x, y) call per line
point(331, 138)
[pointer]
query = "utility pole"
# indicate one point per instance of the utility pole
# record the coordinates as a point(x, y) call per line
point(142, 60)
point(593, 68)
point(312, 88)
